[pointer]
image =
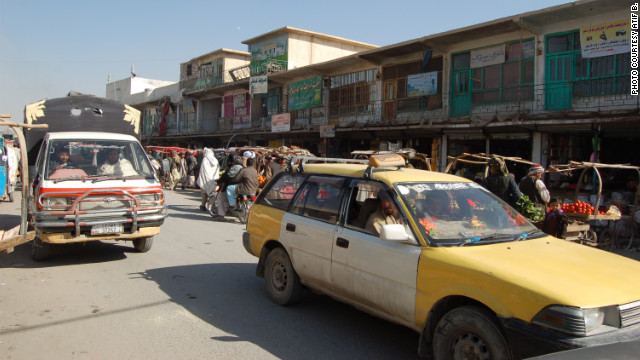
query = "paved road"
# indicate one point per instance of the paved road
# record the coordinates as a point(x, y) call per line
point(194, 295)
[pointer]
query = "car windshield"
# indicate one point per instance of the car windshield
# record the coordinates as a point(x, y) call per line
point(96, 160)
point(462, 213)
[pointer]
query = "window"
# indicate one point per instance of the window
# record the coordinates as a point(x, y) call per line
point(396, 86)
point(353, 93)
point(604, 75)
point(189, 69)
point(363, 202)
point(95, 158)
point(280, 194)
point(320, 198)
point(510, 81)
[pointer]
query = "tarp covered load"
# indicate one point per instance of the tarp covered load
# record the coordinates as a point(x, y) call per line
point(77, 112)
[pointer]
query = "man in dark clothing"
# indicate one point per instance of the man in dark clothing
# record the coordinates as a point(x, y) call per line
point(192, 166)
point(533, 186)
point(501, 183)
point(278, 165)
point(247, 179)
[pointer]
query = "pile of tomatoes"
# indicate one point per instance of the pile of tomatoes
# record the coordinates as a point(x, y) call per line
point(580, 207)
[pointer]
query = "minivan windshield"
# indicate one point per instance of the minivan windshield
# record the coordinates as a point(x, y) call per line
point(461, 213)
point(95, 159)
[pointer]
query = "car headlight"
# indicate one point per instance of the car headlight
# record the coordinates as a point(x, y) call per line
point(51, 202)
point(578, 321)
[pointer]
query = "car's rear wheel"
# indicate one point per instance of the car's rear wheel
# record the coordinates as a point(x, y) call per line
point(281, 280)
point(143, 244)
point(471, 333)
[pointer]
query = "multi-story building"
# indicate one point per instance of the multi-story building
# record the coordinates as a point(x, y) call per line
point(548, 85)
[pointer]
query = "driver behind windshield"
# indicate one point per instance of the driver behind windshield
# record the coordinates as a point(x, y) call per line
point(114, 165)
point(61, 161)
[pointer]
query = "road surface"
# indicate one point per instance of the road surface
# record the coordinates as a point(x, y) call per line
point(194, 295)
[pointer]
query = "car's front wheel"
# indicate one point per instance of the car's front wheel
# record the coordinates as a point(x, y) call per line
point(281, 280)
point(469, 332)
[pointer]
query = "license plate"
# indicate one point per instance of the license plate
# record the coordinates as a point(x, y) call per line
point(106, 229)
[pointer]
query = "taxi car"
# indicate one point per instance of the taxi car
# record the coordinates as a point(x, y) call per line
point(453, 262)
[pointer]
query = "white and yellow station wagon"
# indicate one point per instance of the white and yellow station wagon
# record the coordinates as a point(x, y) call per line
point(447, 258)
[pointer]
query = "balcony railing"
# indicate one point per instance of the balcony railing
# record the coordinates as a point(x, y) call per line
point(547, 103)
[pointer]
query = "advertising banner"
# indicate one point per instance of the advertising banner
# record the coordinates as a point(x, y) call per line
point(258, 84)
point(327, 131)
point(281, 122)
point(422, 84)
point(488, 56)
point(305, 94)
point(606, 38)
point(269, 56)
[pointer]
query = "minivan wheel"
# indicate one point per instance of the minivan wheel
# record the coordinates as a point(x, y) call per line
point(143, 244)
point(39, 249)
point(470, 333)
point(281, 280)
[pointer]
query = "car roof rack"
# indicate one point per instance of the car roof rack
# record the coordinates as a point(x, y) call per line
point(302, 160)
point(374, 161)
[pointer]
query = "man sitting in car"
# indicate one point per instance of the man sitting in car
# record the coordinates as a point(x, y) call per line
point(116, 166)
point(61, 161)
point(386, 214)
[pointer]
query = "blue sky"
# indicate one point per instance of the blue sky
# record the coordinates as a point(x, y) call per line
point(48, 48)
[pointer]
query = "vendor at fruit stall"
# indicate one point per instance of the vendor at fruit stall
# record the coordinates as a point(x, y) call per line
point(533, 186)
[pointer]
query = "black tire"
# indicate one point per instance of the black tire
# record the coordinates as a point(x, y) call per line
point(590, 237)
point(143, 244)
point(469, 332)
point(243, 212)
point(212, 209)
point(281, 280)
point(606, 239)
point(39, 249)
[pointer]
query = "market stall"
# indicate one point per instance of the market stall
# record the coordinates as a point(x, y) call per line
point(603, 217)
point(476, 166)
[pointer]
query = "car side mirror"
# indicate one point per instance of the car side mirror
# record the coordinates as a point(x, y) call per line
point(395, 232)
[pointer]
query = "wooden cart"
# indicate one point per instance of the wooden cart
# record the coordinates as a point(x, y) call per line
point(19, 234)
point(600, 224)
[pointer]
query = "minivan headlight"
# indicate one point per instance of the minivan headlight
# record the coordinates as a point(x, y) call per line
point(147, 198)
point(575, 321)
point(50, 201)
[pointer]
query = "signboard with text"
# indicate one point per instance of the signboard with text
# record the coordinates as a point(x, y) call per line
point(281, 122)
point(422, 84)
point(488, 56)
point(305, 94)
point(604, 39)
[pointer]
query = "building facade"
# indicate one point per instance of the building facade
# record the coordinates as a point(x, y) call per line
point(551, 86)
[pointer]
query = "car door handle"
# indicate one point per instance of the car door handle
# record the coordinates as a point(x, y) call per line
point(343, 243)
point(291, 227)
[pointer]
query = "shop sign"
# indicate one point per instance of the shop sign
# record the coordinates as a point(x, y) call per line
point(488, 56)
point(422, 84)
point(305, 94)
point(258, 84)
point(606, 38)
point(281, 122)
point(327, 131)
